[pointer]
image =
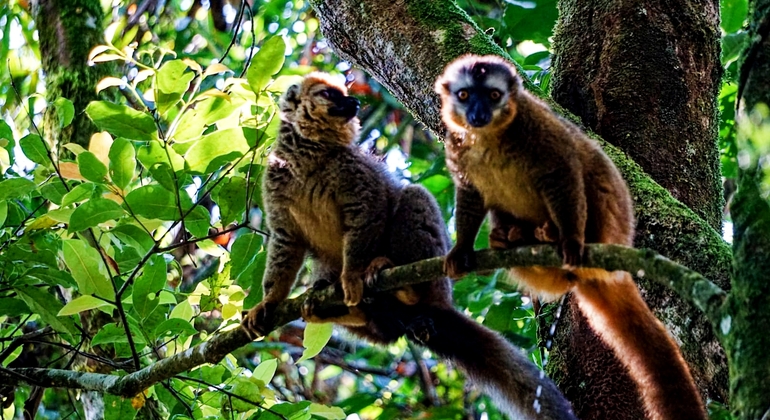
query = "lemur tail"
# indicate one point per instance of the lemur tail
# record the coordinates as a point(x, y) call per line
point(517, 386)
point(616, 312)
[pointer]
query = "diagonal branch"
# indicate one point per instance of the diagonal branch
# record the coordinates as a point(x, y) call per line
point(691, 286)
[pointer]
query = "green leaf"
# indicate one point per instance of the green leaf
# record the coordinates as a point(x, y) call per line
point(734, 14)
point(316, 337)
point(148, 285)
point(16, 188)
point(122, 162)
point(112, 333)
point(46, 306)
point(252, 276)
point(91, 167)
point(183, 311)
point(84, 303)
point(93, 212)
point(265, 370)
point(162, 173)
point(243, 252)
point(230, 196)
point(87, 268)
point(153, 202)
point(3, 212)
point(533, 23)
point(153, 153)
point(198, 222)
point(331, 413)
point(52, 276)
point(6, 133)
point(118, 408)
point(173, 78)
point(248, 390)
point(175, 326)
point(134, 236)
point(13, 307)
point(53, 191)
point(213, 150)
point(65, 110)
point(34, 149)
point(267, 62)
point(122, 121)
point(78, 194)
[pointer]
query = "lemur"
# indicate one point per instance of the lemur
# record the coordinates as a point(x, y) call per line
point(326, 199)
point(542, 179)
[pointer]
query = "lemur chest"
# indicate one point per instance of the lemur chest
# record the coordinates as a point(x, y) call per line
point(504, 183)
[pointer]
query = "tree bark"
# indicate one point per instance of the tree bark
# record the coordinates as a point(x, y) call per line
point(645, 75)
point(68, 30)
point(406, 44)
point(746, 310)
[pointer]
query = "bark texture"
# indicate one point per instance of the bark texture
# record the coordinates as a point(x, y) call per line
point(406, 44)
point(747, 307)
point(645, 75)
point(68, 30)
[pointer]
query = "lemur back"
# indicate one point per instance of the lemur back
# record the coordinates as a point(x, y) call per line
point(326, 199)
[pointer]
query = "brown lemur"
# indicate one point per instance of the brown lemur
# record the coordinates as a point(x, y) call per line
point(328, 200)
point(542, 179)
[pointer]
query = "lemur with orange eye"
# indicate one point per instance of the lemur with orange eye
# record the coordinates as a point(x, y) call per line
point(327, 200)
point(542, 179)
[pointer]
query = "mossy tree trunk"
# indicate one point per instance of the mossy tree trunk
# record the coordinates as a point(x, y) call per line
point(746, 310)
point(405, 45)
point(68, 30)
point(645, 75)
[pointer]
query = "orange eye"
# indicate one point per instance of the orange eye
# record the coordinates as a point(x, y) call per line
point(462, 95)
point(495, 95)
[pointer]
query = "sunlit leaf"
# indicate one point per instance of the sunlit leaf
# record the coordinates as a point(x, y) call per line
point(122, 121)
point(87, 267)
point(213, 150)
point(733, 14)
point(243, 252)
point(93, 212)
point(173, 77)
point(91, 167)
point(331, 413)
point(108, 82)
point(153, 202)
point(34, 149)
point(112, 333)
point(230, 196)
point(267, 62)
point(65, 111)
point(99, 145)
point(79, 193)
point(153, 153)
point(3, 212)
point(175, 326)
point(265, 370)
point(183, 311)
point(119, 408)
point(15, 188)
point(53, 191)
point(198, 222)
point(122, 162)
point(148, 285)
point(83, 303)
point(316, 337)
point(69, 170)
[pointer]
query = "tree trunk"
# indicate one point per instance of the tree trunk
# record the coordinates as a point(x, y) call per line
point(645, 76)
point(406, 44)
point(746, 311)
point(68, 30)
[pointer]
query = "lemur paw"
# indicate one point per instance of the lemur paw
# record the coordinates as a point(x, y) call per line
point(547, 233)
point(373, 271)
point(506, 237)
point(572, 252)
point(353, 286)
point(256, 322)
point(458, 262)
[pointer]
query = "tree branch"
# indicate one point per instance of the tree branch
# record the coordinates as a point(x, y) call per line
point(691, 286)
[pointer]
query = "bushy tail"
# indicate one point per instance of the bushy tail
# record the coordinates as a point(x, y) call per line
point(615, 310)
point(517, 386)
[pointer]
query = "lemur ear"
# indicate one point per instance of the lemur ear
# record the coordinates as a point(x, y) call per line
point(442, 86)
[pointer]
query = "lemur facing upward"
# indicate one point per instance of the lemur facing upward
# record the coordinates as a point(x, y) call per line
point(326, 199)
point(542, 179)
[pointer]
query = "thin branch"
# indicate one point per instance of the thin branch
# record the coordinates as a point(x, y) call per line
point(691, 286)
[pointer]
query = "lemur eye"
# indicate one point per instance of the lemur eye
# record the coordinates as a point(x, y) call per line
point(495, 95)
point(462, 95)
point(324, 94)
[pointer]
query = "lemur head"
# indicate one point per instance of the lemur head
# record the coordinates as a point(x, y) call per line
point(478, 93)
point(320, 110)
